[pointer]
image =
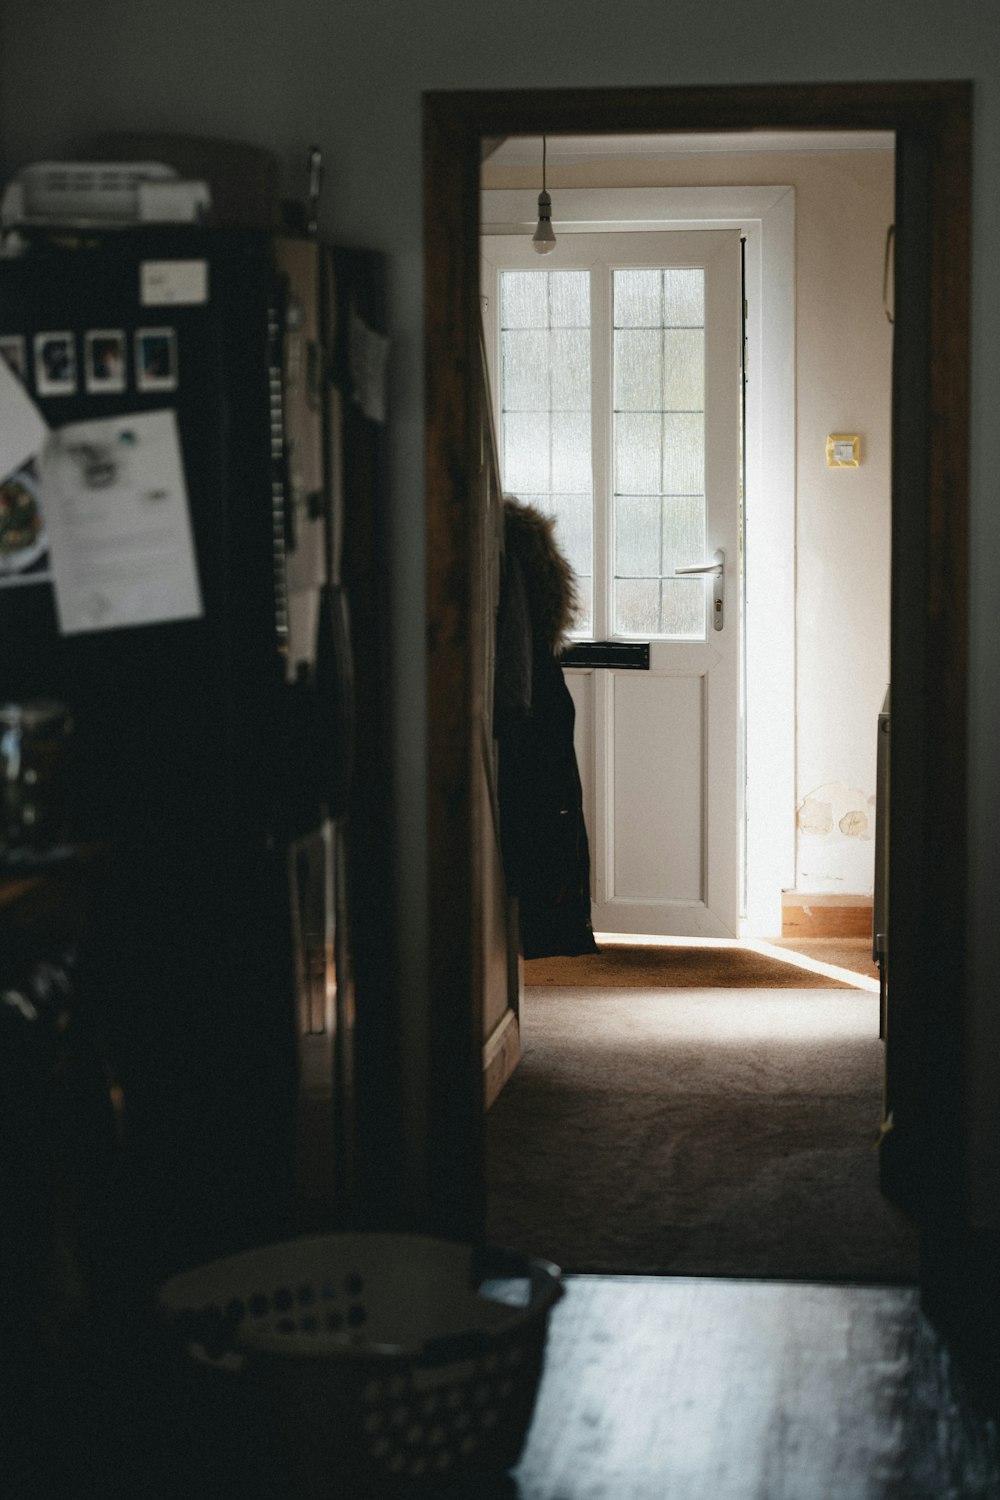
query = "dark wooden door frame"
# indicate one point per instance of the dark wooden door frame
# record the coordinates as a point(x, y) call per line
point(927, 988)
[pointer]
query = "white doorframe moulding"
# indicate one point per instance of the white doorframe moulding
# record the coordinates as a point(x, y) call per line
point(766, 215)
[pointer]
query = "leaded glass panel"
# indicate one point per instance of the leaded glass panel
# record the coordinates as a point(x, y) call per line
point(545, 402)
point(658, 505)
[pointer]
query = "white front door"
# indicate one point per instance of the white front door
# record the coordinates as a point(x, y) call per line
point(616, 375)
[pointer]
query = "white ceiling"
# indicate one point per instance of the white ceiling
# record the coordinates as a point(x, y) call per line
point(523, 150)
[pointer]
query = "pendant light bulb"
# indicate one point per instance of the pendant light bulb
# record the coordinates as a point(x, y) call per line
point(543, 240)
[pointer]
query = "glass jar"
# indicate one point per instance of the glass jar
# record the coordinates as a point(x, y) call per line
point(33, 752)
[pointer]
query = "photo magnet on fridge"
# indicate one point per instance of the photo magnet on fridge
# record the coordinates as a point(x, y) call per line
point(55, 364)
point(12, 351)
point(24, 547)
point(156, 359)
point(104, 360)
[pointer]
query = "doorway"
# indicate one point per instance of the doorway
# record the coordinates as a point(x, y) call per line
point(650, 1149)
point(930, 407)
point(807, 715)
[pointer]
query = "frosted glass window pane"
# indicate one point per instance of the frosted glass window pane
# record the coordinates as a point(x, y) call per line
point(684, 369)
point(638, 299)
point(584, 622)
point(683, 453)
point(569, 298)
point(523, 300)
point(545, 403)
point(571, 464)
point(637, 443)
point(570, 364)
point(638, 369)
point(659, 461)
point(526, 452)
point(683, 608)
point(683, 298)
point(575, 530)
point(637, 536)
point(637, 606)
point(683, 531)
point(525, 366)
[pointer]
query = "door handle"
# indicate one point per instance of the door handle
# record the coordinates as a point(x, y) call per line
point(717, 569)
point(716, 566)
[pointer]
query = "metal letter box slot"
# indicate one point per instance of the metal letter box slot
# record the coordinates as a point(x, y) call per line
point(621, 655)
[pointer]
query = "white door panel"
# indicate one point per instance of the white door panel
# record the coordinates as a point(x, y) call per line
point(657, 743)
point(660, 864)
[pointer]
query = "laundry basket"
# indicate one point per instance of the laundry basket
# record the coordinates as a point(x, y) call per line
point(391, 1362)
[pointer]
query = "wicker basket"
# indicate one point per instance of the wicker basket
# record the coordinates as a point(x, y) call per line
point(390, 1361)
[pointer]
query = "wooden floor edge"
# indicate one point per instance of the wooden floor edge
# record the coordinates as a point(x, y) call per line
point(804, 915)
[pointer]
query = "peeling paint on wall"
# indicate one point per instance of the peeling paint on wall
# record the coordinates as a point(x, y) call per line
point(835, 840)
point(815, 817)
point(835, 805)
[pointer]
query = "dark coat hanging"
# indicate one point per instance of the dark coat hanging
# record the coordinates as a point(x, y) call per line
point(543, 835)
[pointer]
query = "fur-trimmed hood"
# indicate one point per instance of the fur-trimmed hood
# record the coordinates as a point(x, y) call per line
point(549, 581)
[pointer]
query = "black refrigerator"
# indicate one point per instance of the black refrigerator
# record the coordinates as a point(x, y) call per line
point(210, 759)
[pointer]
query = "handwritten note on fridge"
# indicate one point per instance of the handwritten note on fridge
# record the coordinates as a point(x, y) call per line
point(116, 510)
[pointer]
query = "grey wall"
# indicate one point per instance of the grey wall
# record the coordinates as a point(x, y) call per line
point(350, 79)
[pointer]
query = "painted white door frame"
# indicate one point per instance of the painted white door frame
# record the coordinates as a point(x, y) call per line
point(766, 215)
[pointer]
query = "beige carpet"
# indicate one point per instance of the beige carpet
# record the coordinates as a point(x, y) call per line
point(705, 1131)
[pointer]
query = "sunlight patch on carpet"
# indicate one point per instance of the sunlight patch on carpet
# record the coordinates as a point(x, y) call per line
point(811, 965)
point(644, 962)
point(636, 1019)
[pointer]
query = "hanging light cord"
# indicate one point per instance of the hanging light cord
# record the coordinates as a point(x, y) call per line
point(543, 238)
